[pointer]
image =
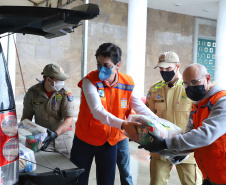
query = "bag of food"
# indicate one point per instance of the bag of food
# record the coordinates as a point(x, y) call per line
point(31, 135)
point(27, 156)
point(158, 126)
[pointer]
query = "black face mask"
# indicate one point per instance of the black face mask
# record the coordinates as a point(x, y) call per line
point(167, 75)
point(195, 93)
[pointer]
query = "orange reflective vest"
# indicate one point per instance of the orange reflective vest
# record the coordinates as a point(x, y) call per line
point(115, 100)
point(211, 159)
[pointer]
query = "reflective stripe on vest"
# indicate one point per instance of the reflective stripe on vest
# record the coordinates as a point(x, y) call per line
point(211, 159)
point(117, 86)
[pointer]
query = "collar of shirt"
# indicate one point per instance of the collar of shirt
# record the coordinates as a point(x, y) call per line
point(176, 82)
point(42, 91)
point(49, 94)
point(114, 82)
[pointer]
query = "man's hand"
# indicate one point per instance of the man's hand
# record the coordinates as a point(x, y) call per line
point(178, 159)
point(131, 131)
point(157, 144)
point(51, 137)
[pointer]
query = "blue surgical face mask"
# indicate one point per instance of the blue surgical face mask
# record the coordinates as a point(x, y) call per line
point(104, 72)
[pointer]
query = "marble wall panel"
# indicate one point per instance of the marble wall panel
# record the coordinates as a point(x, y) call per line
point(167, 31)
point(208, 31)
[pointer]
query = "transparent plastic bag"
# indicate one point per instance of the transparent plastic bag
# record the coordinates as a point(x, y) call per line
point(31, 134)
point(26, 154)
point(158, 126)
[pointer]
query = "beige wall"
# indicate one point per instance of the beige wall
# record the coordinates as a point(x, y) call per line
point(165, 31)
point(207, 31)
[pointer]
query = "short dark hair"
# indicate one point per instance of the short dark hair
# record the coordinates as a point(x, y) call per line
point(110, 50)
point(44, 77)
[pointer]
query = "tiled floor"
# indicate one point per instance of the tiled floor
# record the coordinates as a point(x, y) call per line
point(139, 168)
point(139, 160)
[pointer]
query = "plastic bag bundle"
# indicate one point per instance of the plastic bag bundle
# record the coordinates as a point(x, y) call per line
point(31, 135)
point(26, 154)
point(157, 126)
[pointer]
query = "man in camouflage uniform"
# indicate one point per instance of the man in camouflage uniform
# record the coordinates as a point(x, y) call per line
point(52, 105)
point(168, 100)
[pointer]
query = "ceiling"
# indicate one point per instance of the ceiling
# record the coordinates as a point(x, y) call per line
point(200, 8)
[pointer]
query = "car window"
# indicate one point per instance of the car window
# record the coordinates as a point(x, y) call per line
point(6, 92)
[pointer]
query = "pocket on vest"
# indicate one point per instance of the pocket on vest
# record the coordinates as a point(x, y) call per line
point(98, 130)
point(218, 155)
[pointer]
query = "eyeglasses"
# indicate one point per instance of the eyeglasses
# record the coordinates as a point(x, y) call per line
point(105, 65)
point(193, 82)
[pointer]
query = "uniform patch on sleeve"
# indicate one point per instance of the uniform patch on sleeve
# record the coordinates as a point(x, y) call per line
point(123, 103)
point(69, 91)
point(149, 95)
point(69, 95)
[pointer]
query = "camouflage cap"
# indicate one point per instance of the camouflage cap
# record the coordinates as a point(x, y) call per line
point(167, 58)
point(54, 71)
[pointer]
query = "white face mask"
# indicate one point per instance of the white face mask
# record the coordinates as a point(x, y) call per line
point(57, 86)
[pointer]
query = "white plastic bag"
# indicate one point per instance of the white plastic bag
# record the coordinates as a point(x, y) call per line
point(26, 154)
point(31, 134)
point(158, 126)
